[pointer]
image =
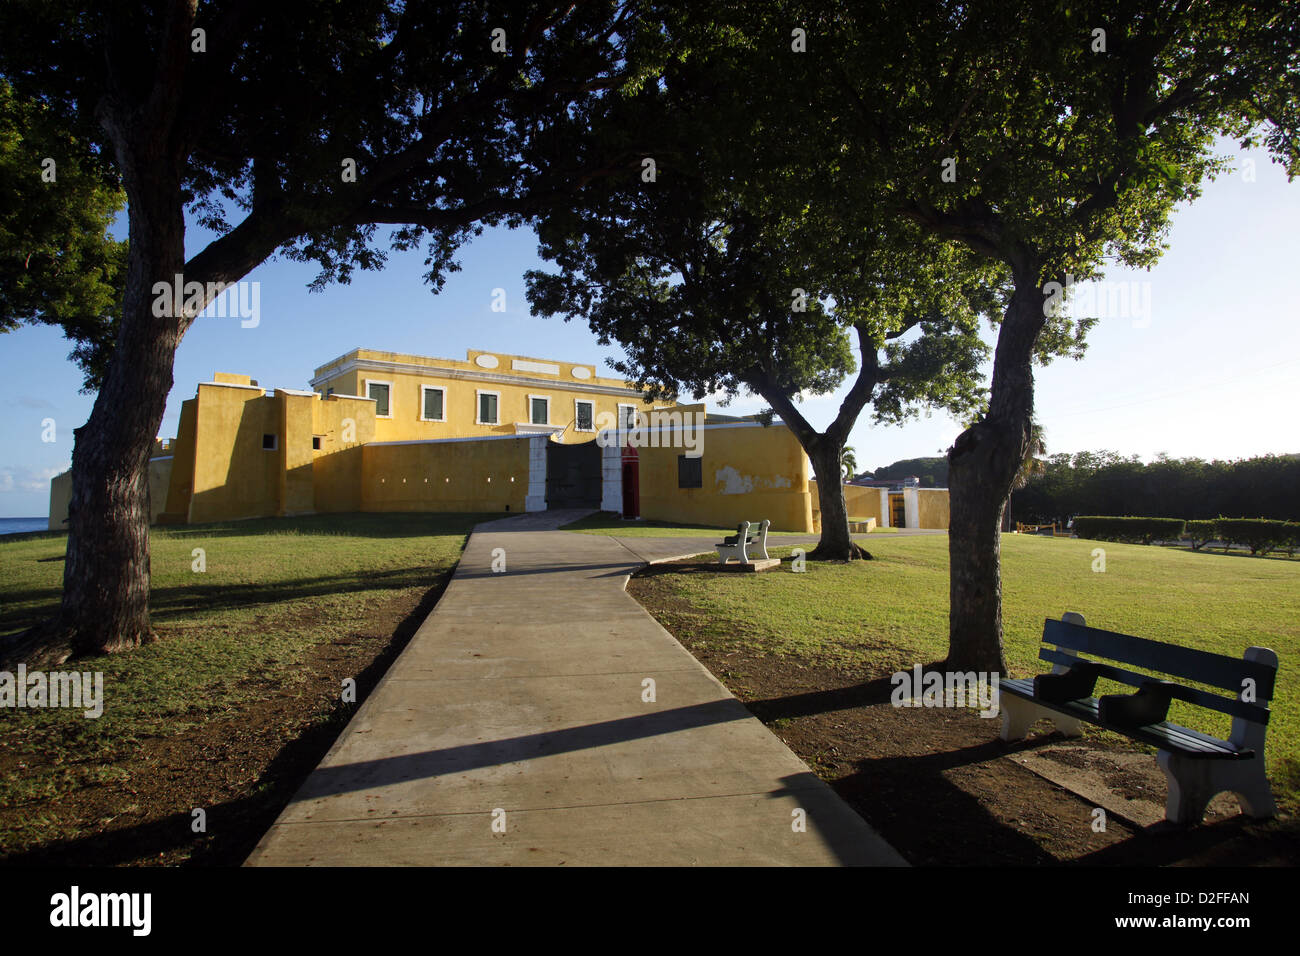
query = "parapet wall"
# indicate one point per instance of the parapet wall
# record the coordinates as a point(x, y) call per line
point(483, 474)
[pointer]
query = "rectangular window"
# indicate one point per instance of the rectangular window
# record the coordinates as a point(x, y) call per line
point(539, 408)
point(315, 443)
point(690, 472)
point(584, 416)
point(268, 443)
point(380, 392)
point(487, 408)
point(626, 417)
point(433, 404)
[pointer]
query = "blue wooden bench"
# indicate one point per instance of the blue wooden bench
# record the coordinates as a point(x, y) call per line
point(1197, 766)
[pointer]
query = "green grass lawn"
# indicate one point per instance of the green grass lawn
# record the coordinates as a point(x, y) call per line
point(273, 590)
point(893, 612)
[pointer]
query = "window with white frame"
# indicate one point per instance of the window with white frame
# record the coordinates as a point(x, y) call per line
point(382, 393)
point(433, 403)
point(539, 409)
point(584, 415)
point(626, 417)
point(488, 408)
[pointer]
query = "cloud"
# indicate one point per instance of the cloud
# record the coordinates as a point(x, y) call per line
point(23, 479)
point(41, 404)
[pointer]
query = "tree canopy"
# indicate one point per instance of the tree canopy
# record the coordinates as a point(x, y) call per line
point(720, 270)
point(58, 263)
point(325, 132)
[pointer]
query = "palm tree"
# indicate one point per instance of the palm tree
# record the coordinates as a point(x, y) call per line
point(848, 462)
point(1030, 467)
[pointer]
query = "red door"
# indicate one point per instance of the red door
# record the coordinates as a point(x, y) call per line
point(631, 488)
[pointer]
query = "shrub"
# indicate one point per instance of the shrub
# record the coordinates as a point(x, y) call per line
point(1261, 535)
point(1200, 533)
point(1144, 530)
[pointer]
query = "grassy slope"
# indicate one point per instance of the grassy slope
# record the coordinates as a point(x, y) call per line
point(271, 592)
point(894, 611)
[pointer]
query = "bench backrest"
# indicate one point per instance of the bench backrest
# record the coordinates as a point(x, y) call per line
point(755, 528)
point(1258, 666)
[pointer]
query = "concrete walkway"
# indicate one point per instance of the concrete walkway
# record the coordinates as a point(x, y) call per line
point(513, 731)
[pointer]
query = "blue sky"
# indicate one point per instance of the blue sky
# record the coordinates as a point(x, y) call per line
point(1208, 370)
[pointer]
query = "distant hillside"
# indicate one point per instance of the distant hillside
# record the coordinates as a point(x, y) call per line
point(933, 472)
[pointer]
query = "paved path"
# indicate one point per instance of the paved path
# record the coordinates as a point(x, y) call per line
point(522, 692)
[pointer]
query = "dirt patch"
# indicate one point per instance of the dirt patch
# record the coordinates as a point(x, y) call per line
point(241, 771)
point(940, 787)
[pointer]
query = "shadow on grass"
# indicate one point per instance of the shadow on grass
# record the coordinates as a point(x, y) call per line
point(168, 603)
point(920, 808)
point(236, 825)
point(406, 524)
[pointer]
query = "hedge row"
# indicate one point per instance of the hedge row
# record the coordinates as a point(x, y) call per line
point(1260, 535)
point(1145, 530)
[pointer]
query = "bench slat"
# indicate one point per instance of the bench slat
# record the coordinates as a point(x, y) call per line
point(1205, 667)
point(1224, 705)
point(1168, 735)
point(1164, 736)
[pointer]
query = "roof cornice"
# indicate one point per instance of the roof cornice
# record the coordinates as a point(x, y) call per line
point(470, 375)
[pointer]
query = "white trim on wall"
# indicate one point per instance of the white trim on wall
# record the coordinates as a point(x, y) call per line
point(365, 387)
point(433, 388)
point(478, 406)
point(329, 373)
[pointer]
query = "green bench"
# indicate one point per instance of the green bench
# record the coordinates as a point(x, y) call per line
point(1197, 766)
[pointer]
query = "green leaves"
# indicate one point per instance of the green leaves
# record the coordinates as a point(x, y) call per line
point(58, 265)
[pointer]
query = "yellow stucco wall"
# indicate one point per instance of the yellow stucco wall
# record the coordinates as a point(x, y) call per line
point(234, 477)
point(860, 502)
point(60, 497)
point(160, 471)
point(749, 473)
point(344, 426)
point(932, 506)
point(181, 484)
point(296, 492)
point(406, 374)
point(484, 475)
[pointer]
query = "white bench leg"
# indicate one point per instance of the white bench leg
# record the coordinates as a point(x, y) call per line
point(1018, 715)
point(1191, 787)
point(1194, 783)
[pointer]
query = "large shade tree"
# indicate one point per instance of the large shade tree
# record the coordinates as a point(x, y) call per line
point(311, 128)
point(1050, 139)
point(719, 272)
point(59, 265)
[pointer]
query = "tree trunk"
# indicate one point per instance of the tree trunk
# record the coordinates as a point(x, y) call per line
point(105, 604)
point(976, 494)
point(836, 544)
point(983, 463)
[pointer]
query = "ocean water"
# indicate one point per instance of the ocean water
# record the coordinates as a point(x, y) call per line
point(19, 525)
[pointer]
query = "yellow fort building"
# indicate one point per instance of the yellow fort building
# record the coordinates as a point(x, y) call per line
point(382, 431)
